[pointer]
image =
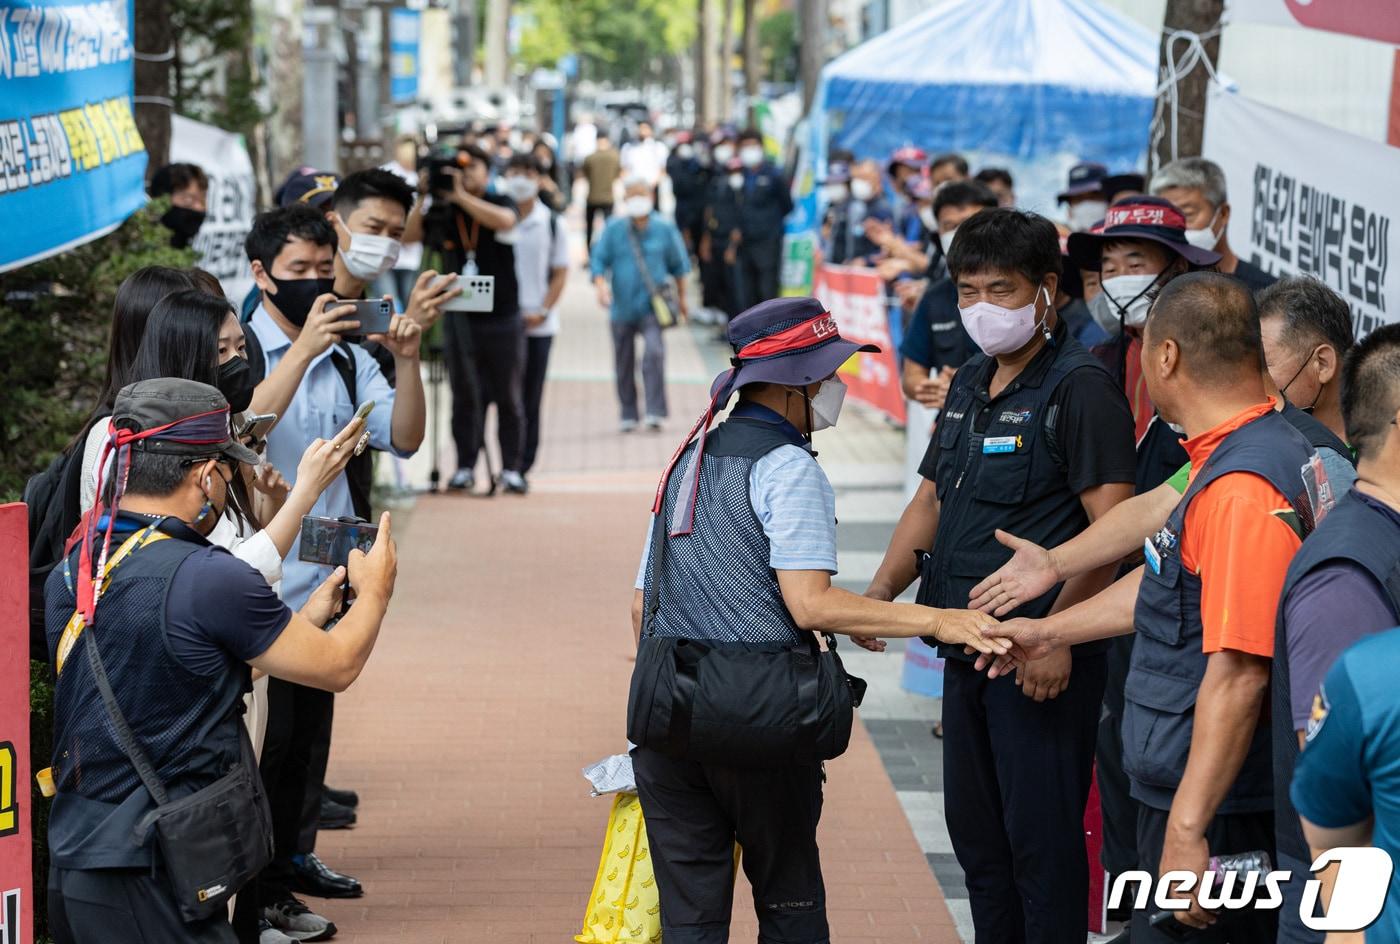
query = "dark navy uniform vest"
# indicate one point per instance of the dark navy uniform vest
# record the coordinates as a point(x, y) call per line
point(716, 583)
point(187, 724)
point(1168, 662)
point(765, 205)
point(1355, 532)
point(998, 467)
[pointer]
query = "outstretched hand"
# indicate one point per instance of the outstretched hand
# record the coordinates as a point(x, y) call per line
point(1027, 641)
point(977, 631)
point(1030, 573)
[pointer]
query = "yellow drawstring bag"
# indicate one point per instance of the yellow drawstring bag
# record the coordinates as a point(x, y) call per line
point(623, 906)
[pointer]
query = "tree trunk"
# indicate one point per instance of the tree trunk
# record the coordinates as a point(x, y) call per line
point(1178, 132)
point(707, 84)
point(752, 58)
point(152, 40)
point(726, 63)
point(497, 44)
point(464, 45)
point(811, 52)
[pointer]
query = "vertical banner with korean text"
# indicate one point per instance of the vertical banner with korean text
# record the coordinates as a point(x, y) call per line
point(1307, 199)
point(72, 164)
point(856, 299)
point(232, 199)
point(16, 865)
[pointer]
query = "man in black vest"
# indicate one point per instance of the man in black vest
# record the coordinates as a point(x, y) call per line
point(178, 670)
point(1035, 435)
point(1203, 607)
point(1343, 585)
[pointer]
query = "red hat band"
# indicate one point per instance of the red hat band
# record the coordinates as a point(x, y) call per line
point(799, 337)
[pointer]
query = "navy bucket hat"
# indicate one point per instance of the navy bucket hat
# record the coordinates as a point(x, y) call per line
point(788, 341)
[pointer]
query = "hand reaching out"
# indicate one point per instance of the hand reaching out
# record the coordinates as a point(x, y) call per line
point(1030, 573)
point(969, 628)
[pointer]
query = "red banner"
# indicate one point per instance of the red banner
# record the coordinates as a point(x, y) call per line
point(16, 882)
point(856, 299)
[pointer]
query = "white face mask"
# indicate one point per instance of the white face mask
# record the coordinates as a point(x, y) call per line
point(636, 207)
point(997, 330)
point(826, 405)
point(369, 256)
point(862, 189)
point(723, 153)
point(947, 240)
point(522, 188)
point(751, 155)
point(736, 181)
point(836, 193)
point(1205, 238)
point(928, 219)
point(1128, 297)
point(685, 151)
point(1084, 214)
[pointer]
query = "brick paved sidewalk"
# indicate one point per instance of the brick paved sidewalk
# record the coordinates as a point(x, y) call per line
point(503, 669)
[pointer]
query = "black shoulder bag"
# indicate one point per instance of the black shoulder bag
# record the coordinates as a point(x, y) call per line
point(737, 705)
point(212, 841)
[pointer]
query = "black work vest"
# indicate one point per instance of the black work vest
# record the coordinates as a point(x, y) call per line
point(1355, 532)
point(1315, 431)
point(716, 583)
point(997, 467)
point(1168, 662)
point(187, 724)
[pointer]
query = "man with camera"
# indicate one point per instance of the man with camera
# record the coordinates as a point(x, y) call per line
point(315, 382)
point(485, 350)
point(152, 632)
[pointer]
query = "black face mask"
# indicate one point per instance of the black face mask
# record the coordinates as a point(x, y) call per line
point(183, 224)
point(295, 297)
point(235, 382)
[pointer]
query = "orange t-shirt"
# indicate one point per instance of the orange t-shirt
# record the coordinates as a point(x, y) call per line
point(1239, 537)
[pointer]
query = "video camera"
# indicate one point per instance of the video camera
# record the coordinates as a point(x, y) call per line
point(439, 165)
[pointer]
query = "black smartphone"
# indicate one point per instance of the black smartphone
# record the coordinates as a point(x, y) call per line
point(256, 426)
point(329, 541)
point(373, 314)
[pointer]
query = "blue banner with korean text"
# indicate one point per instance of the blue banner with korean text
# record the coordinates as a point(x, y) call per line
point(405, 28)
point(72, 164)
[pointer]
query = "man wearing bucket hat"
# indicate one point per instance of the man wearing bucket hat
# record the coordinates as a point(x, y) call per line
point(1034, 434)
point(154, 711)
point(744, 539)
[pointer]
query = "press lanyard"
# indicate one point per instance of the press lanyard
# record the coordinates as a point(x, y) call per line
point(76, 623)
point(469, 247)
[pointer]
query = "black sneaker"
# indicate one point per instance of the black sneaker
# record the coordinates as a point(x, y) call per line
point(298, 922)
point(344, 797)
point(463, 480)
point(514, 483)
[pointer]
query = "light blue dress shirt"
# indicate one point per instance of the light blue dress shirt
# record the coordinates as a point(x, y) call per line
point(662, 248)
point(319, 410)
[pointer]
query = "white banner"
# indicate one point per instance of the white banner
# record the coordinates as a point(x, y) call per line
point(232, 202)
point(1307, 199)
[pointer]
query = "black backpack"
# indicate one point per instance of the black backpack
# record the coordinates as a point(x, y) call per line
point(54, 500)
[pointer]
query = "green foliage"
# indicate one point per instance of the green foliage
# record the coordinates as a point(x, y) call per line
point(213, 75)
point(54, 324)
point(777, 39)
point(40, 751)
point(617, 41)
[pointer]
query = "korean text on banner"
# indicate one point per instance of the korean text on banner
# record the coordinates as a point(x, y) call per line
point(405, 27)
point(1369, 19)
point(1307, 199)
point(856, 299)
point(72, 164)
point(16, 865)
point(232, 202)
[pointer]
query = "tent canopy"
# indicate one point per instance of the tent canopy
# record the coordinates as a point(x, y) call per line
point(1016, 80)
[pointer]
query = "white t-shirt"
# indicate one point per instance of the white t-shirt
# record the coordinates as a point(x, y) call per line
point(540, 246)
point(645, 159)
point(584, 140)
point(411, 255)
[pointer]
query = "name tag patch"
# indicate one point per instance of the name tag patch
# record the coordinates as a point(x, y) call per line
point(994, 445)
point(1157, 546)
point(1015, 417)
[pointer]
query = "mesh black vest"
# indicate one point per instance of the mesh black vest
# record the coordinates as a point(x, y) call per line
point(186, 723)
point(1352, 531)
point(716, 583)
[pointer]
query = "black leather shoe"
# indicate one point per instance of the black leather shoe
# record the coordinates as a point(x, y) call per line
point(314, 877)
point(344, 797)
point(335, 816)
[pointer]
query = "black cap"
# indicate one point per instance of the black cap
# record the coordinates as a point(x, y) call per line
point(178, 417)
point(1084, 179)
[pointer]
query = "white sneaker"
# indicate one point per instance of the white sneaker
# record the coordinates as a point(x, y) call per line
point(298, 922)
point(514, 482)
point(654, 423)
point(267, 934)
point(627, 426)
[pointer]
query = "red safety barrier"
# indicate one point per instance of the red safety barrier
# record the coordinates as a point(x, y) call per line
point(16, 864)
point(856, 299)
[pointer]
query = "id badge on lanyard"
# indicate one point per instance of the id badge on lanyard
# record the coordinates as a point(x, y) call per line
point(469, 268)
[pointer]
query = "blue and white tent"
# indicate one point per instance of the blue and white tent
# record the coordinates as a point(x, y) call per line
point(1031, 85)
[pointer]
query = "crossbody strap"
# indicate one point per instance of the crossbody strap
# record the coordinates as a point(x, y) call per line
point(641, 260)
point(144, 768)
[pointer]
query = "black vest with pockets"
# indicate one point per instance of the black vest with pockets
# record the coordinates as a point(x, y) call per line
point(188, 724)
point(1023, 490)
point(717, 583)
point(1168, 661)
point(1353, 531)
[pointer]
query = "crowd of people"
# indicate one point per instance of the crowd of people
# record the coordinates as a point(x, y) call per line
point(1155, 529)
